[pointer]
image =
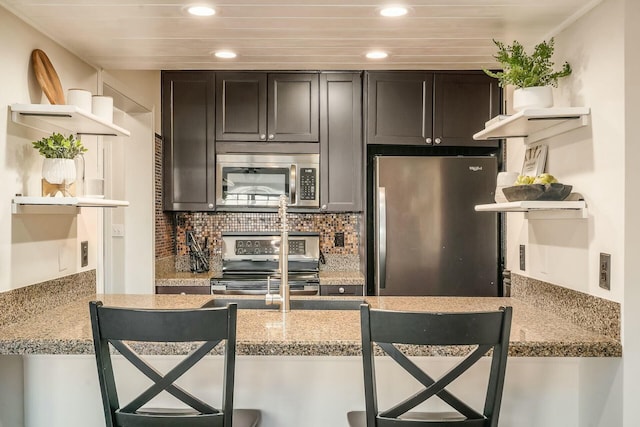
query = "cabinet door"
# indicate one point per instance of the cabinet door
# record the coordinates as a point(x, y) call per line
point(188, 140)
point(399, 108)
point(293, 107)
point(341, 142)
point(241, 104)
point(463, 103)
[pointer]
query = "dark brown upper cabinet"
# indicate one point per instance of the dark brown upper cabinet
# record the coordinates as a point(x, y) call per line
point(435, 108)
point(267, 107)
point(188, 141)
point(341, 142)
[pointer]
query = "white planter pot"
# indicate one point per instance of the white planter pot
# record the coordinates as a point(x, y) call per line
point(532, 97)
point(59, 171)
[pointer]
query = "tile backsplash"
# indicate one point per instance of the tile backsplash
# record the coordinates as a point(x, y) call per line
point(212, 225)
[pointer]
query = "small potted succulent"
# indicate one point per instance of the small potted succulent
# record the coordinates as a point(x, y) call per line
point(533, 75)
point(58, 167)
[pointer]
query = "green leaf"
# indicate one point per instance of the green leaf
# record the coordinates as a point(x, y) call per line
point(523, 70)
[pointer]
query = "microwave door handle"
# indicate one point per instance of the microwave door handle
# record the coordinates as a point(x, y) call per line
point(293, 178)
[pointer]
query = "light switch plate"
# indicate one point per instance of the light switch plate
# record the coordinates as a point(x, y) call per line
point(117, 230)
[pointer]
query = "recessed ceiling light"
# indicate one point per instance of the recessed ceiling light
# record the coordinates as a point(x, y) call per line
point(394, 11)
point(225, 54)
point(377, 54)
point(201, 10)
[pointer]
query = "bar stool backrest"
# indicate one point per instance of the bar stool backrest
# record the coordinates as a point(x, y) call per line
point(206, 327)
point(482, 331)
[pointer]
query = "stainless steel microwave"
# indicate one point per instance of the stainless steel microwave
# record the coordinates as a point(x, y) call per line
point(257, 180)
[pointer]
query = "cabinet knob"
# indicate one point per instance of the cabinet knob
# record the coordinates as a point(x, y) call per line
point(341, 290)
point(210, 205)
point(263, 136)
point(428, 140)
point(271, 136)
point(323, 207)
point(438, 141)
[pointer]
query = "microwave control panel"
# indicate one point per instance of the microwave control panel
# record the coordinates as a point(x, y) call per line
point(308, 184)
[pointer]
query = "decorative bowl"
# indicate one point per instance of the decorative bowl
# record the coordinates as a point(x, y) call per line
point(553, 192)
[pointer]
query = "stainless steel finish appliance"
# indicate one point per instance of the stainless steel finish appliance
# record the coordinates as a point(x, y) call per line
point(428, 239)
point(248, 259)
point(258, 180)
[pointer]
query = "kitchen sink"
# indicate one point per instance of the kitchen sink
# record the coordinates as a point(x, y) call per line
point(296, 304)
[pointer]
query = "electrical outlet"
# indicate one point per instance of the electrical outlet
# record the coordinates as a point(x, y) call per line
point(338, 240)
point(84, 254)
point(523, 264)
point(604, 280)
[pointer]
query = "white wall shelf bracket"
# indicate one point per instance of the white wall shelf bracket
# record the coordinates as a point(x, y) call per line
point(536, 124)
point(540, 209)
point(53, 118)
point(60, 205)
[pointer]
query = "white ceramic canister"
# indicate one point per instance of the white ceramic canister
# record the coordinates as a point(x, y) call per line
point(81, 98)
point(94, 188)
point(504, 179)
point(102, 106)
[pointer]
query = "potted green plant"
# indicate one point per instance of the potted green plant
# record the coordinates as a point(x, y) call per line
point(58, 167)
point(533, 75)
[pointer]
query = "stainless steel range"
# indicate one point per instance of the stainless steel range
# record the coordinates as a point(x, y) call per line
point(248, 259)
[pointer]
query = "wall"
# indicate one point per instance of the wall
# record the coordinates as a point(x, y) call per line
point(141, 90)
point(631, 314)
point(566, 252)
point(35, 248)
point(165, 235)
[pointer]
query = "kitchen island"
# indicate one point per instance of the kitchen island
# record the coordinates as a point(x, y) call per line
point(303, 368)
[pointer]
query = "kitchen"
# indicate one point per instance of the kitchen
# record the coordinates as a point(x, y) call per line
point(562, 252)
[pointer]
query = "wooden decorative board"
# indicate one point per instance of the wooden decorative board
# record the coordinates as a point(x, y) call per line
point(47, 77)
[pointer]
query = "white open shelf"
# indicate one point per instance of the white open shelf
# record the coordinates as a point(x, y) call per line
point(51, 118)
point(536, 124)
point(537, 209)
point(26, 204)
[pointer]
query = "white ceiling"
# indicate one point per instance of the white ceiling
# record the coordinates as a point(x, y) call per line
point(294, 34)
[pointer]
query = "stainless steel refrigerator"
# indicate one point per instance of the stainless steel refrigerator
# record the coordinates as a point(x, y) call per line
point(428, 239)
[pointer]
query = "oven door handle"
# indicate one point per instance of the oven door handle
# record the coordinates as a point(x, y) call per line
point(293, 178)
point(261, 292)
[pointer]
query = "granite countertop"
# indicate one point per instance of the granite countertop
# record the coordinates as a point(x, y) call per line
point(534, 333)
point(178, 278)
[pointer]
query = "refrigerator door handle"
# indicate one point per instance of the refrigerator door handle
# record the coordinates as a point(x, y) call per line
point(381, 255)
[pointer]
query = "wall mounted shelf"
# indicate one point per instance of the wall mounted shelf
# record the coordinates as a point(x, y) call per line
point(63, 205)
point(536, 124)
point(535, 209)
point(53, 118)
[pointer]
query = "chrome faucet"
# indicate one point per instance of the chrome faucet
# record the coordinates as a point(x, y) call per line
point(283, 298)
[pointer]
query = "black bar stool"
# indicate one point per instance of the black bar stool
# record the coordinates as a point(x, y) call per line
point(483, 331)
point(206, 326)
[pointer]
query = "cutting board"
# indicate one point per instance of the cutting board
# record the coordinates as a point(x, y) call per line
point(47, 77)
